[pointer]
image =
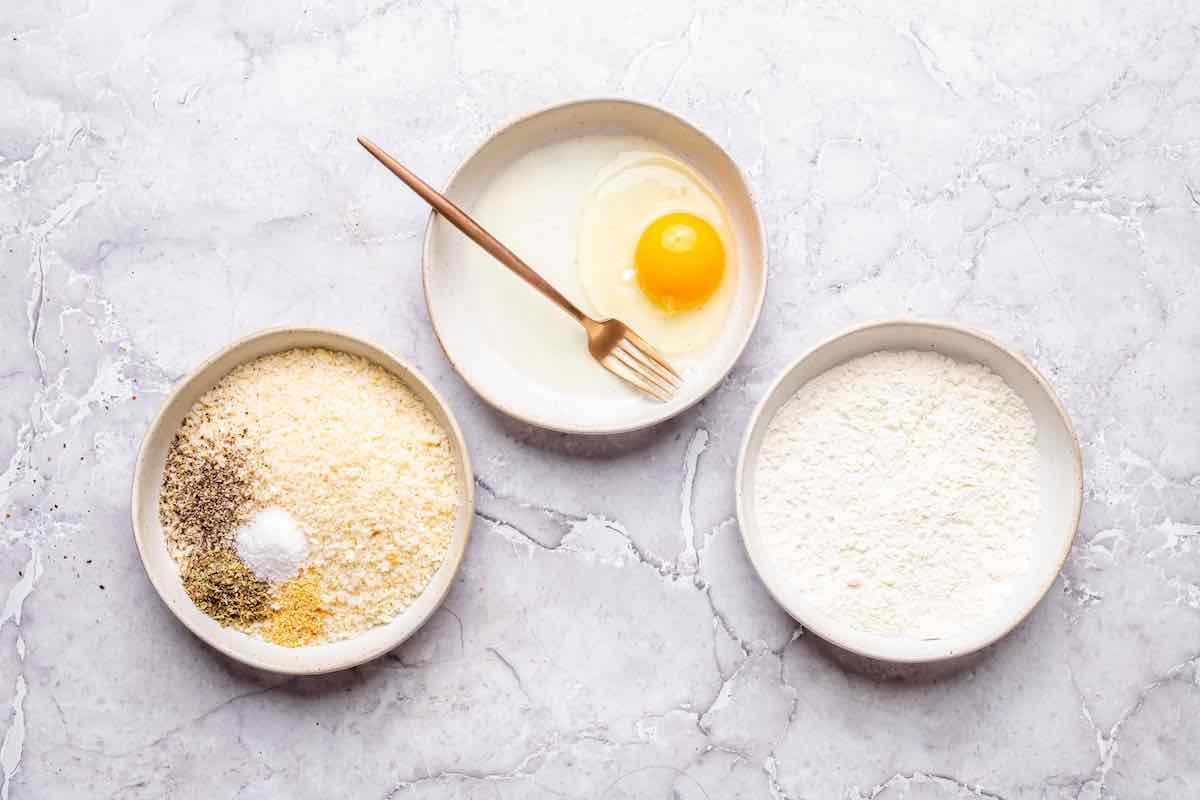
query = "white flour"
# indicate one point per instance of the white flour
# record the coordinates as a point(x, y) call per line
point(898, 492)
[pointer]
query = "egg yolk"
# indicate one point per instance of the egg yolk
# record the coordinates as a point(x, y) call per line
point(679, 261)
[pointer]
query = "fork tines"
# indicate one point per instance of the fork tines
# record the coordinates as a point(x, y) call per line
point(638, 364)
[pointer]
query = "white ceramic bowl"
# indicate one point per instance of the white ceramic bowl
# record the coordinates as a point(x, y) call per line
point(1060, 475)
point(161, 568)
point(456, 320)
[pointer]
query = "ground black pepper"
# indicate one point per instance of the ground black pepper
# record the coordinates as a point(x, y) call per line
point(206, 493)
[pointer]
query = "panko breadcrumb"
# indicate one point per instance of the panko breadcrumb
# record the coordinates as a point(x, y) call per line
point(360, 463)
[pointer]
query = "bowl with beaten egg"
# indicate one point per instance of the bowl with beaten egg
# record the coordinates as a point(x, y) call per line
point(632, 213)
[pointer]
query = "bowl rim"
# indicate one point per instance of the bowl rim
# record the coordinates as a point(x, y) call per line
point(668, 412)
point(455, 552)
point(833, 634)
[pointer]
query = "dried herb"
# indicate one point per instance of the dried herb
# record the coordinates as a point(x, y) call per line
point(224, 588)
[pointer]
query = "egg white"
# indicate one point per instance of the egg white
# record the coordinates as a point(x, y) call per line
point(533, 204)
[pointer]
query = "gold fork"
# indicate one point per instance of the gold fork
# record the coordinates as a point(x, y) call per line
point(612, 343)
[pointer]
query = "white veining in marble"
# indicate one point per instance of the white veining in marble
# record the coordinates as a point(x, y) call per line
point(176, 174)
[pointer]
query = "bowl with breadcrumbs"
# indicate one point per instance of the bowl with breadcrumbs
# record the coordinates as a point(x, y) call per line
point(302, 501)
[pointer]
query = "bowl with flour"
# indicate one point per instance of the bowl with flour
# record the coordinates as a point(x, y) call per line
point(909, 490)
point(303, 500)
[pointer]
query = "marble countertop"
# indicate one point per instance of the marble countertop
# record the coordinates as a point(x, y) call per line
point(178, 175)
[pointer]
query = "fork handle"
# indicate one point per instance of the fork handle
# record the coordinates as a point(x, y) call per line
point(474, 231)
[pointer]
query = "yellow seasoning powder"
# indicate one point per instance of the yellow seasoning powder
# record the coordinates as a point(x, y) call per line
point(298, 615)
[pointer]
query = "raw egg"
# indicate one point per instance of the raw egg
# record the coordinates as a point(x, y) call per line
point(656, 251)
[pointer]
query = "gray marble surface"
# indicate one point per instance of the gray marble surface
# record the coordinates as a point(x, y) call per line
point(177, 174)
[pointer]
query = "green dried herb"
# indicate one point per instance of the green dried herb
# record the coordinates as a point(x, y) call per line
point(223, 587)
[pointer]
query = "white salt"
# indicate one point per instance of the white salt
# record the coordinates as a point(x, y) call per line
point(272, 544)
